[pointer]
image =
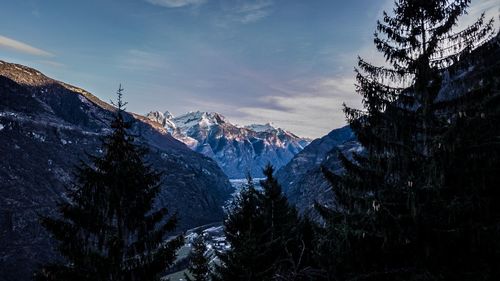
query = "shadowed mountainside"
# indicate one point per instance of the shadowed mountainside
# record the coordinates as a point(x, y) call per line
point(46, 128)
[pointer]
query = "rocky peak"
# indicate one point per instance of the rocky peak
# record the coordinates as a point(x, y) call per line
point(168, 115)
point(237, 149)
point(259, 128)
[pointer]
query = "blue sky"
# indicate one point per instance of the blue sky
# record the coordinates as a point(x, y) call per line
point(254, 61)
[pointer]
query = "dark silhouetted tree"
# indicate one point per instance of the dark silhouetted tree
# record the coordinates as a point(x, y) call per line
point(401, 214)
point(268, 239)
point(108, 230)
point(288, 237)
point(245, 231)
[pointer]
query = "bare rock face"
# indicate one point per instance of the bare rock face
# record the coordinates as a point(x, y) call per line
point(46, 128)
point(237, 149)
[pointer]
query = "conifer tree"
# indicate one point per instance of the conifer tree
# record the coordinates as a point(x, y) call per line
point(466, 210)
point(390, 222)
point(198, 263)
point(268, 239)
point(288, 238)
point(109, 230)
point(245, 231)
point(281, 218)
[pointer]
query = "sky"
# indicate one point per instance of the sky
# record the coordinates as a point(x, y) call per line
point(289, 62)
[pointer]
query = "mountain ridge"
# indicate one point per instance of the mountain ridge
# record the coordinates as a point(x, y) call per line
point(302, 180)
point(237, 149)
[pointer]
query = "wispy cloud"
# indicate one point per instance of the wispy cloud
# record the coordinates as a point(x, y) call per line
point(245, 12)
point(308, 107)
point(252, 12)
point(176, 3)
point(18, 46)
point(52, 63)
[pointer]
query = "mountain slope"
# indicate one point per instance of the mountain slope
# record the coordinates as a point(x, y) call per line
point(302, 180)
point(237, 150)
point(46, 128)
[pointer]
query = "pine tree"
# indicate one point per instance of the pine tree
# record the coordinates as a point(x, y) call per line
point(468, 156)
point(391, 206)
point(245, 231)
point(281, 216)
point(288, 238)
point(108, 230)
point(268, 239)
point(198, 263)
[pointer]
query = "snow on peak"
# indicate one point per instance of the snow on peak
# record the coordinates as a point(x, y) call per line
point(233, 146)
point(156, 116)
point(259, 128)
point(203, 119)
point(163, 118)
point(168, 115)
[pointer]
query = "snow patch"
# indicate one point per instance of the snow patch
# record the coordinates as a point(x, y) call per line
point(84, 100)
point(260, 128)
point(168, 115)
point(38, 137)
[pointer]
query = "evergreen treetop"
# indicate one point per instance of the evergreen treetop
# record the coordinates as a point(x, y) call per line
point(245, 231)
point(109, 228)
point(393, 215)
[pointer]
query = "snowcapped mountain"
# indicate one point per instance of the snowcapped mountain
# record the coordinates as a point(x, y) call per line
point(237, 149)
point(262, 127)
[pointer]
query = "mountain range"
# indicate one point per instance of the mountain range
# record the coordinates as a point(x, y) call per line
point(46, 128)
point(237, 149)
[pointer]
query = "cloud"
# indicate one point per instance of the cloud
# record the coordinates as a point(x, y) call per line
point(245, 12)
point(252, 12)
point(12, 44)
point(308, 107)
point(52, 63)
point(175, 3)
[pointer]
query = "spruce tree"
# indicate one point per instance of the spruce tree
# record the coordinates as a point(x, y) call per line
point(288, 238)
point(198, 263)
point(268, 239)
point(246, 233)
point(392, 216)
point(108, 229)
point(466, 211)
point(282, 218)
